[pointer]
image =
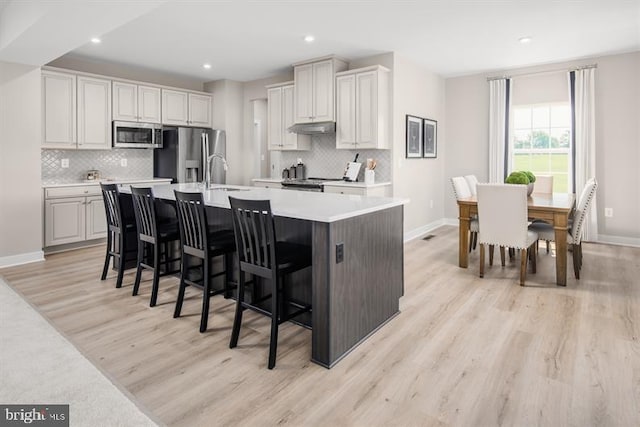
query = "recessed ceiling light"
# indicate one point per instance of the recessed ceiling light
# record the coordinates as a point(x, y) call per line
point(206, 66)
point(309, 38)
point(525, 40)
point(96, 40)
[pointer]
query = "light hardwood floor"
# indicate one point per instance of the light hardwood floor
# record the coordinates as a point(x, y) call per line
point(464, 351)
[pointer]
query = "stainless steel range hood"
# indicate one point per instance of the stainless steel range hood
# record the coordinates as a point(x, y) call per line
point(313, 128)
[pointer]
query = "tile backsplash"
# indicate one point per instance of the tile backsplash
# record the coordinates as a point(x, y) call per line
point(108, 162)
point(325, 161)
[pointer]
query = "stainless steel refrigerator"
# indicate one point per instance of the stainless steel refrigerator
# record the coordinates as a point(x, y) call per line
point(183, 158)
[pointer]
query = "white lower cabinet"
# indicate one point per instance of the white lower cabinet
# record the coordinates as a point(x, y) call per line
point(266, 184)
point(64, 221)
point(379, 191)
point(73, 214)
point(76, 213)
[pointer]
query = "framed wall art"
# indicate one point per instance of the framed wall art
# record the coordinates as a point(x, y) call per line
point(414, 137)
point(430, 137)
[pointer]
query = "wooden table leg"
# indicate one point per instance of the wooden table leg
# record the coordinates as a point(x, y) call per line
point(560, 227)
point(463, 251)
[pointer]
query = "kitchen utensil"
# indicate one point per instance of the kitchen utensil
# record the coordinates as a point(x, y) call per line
point(285, 173)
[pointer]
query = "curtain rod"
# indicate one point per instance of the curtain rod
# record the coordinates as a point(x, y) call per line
point(582, 67)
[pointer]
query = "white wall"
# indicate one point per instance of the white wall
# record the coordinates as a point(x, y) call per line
point(255, 90)
point(421, 93)
point(20, 186)
point(617, 137)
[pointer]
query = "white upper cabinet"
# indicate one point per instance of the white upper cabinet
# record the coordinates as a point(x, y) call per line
point(58, 110)
point(136, 103)
point(175, 107)
point(200, 110)
point(187, 109)
point(94, 113)
point(76, 111)
point(314, 89)
point(363, 108)
point(280, 117)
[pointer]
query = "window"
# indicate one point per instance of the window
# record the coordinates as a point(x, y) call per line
point(541, 142)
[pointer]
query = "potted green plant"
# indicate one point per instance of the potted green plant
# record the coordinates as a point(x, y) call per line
point(522, 177)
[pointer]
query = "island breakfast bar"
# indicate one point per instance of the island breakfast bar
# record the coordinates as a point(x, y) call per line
point(357, 275)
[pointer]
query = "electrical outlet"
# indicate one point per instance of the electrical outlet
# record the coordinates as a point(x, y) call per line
point(123, 163)
point(64, 163)
point(431, 204)
point(608, 212)
point(262, 158)
point(339, 253)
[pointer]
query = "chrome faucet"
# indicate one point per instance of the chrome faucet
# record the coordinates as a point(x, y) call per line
point(207, 181)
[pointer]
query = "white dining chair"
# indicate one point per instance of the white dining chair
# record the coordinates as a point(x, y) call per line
point(472, 181)
point(461, 191)
point(502, 215)
point(543, 184)
point(574, 234)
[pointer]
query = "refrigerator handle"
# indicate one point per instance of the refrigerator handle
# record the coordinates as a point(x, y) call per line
point(206, 174)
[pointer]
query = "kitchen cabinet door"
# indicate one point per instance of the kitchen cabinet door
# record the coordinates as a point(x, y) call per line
point(125, 101)
point(367, 110)
point(96, 220)
point(58, 110)
point(280, 116)
point(363, 117)
point(274, 118)
point(149, 104)
point(323, 92)
point(303, 93)
point(200, 110)
point(175, 107)
point(346, 112)
point(64, 221)
point(94, 113)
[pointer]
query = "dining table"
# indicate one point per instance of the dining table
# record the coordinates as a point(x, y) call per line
point(553, 208)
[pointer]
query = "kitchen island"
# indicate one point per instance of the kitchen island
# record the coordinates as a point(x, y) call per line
point(356, 279)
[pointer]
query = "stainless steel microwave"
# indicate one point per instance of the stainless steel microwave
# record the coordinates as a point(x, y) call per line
point(137, 135)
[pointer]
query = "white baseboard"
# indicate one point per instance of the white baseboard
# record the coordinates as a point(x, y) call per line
point(421, 231)
point(619, 240)
point(10, 261)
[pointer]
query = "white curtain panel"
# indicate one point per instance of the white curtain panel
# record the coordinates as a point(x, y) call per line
point(497, 129)
point(585, 137)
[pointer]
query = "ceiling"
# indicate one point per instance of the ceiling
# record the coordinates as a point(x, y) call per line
point(246, 40)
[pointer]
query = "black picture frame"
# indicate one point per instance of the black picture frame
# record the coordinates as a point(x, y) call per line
point(430, 138)
point(414, 143)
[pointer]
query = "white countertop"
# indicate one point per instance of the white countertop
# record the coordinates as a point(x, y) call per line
point(358, 184)
point(307, 205)
point(106, 181)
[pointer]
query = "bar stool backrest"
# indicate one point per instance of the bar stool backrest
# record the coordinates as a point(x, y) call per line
point(145, 212)
point(254, 230)
point(111, 196)
point(192, 222)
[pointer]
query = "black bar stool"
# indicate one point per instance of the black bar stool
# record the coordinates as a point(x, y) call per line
point(261, 255)
point(201, 242)
point(155, 232)
point(121, 230)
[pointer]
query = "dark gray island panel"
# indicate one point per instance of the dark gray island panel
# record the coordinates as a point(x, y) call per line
point(353, 298)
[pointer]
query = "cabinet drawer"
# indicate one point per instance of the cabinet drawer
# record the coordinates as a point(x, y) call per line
point(88, 190)
point(345, 190)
